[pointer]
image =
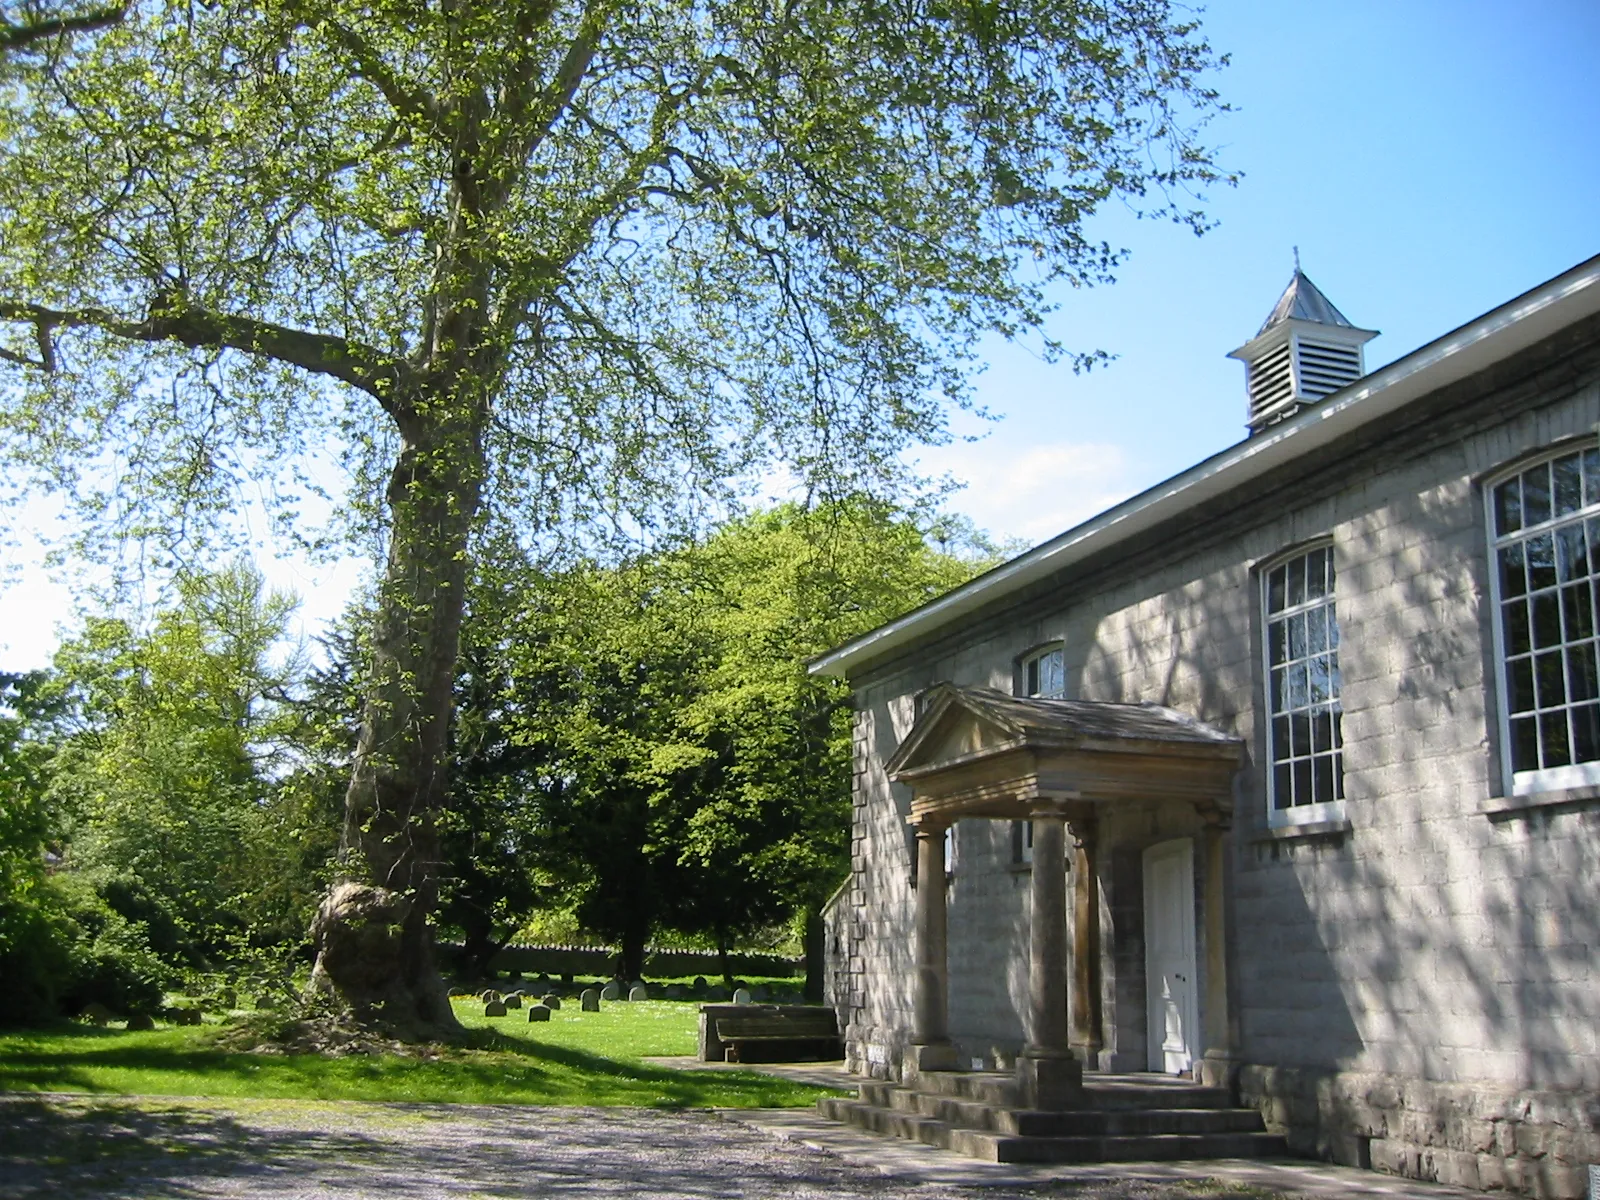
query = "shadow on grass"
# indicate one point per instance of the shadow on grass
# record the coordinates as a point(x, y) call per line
point(483, 1067)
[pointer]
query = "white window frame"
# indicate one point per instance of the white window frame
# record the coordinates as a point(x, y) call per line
point(1299, 814)
point(1544, 779)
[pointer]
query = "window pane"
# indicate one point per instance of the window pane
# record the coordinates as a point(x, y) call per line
point(1591, 476)
point(1508, 507)
point(1318, 686)
point(1541, 561)
point(1033, 677)
point(1297, 635)
point(1516, 627)
point(1522, 685)
point(1586, 733)
point(1553, 738)
point(1513, 582)
point(1572, 559)
point(1275, 584)
point(1316, 574)
point(1280, 738)
point(1316, 630)
point(1297, 687)
point(1536, 494)
point(1338, 775)
point(1577, 610)
point(1322, 732)
point(1300, 733)
point(1333, 626)
point(1335, 688)
point(1546, 620)
point(1569, 485)
point(1549, 679)
point(1279, 700)
point(1322, 778)
point(1581, 682)
point(1302, 781)
point(1282, 786)
point(1524, 745)
point(1338, 728)
point(1055, 682)
point(1297, 582)
point(1275, 643)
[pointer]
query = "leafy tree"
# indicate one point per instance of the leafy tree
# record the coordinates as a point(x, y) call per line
point(174, 749)
point(694, 777)
point(542, 263)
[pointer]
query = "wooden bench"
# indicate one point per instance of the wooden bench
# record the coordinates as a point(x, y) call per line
point(780, 1037)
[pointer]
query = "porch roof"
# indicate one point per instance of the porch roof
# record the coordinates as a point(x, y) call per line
point(978, 752)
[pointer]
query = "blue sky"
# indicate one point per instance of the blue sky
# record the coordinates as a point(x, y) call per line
point(1430, 160)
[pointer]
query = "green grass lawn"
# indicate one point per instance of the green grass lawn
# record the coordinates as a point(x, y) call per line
point(576, 1058)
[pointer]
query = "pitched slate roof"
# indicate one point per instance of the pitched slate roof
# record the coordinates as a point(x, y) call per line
point(1302, 300)
point(1075, 719)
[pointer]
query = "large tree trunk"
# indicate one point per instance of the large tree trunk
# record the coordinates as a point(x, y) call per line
point(373, 933)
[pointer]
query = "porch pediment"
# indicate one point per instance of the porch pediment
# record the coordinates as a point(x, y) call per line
point(978, 752)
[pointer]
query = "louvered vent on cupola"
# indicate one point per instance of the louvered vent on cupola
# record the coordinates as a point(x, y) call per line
point(1305, 351)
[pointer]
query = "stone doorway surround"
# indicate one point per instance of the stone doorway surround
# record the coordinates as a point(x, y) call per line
point(976, 752)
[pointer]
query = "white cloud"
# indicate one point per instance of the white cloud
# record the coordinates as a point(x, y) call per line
point(1034, 492)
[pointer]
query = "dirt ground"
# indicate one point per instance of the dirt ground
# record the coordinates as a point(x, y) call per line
point(193, 1149)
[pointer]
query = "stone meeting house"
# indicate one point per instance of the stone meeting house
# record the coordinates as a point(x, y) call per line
point(1282, 776)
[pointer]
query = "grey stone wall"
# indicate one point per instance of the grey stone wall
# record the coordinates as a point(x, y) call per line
point(1427, 951)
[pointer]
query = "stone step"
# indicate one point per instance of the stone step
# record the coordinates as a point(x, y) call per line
point(1000, 1147)
point(1133, 1122)
point(886, 1122)
point(1144, 1092)
point(989, 1087)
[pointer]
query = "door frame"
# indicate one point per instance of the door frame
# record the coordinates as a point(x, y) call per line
point(1179, 851)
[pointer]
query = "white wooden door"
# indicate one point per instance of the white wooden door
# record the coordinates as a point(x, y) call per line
point(1169, 957)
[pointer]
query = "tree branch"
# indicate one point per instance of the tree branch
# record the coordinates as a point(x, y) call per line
point(531, 122)
point(171, 320)
point(369, 64)
point(20, 37)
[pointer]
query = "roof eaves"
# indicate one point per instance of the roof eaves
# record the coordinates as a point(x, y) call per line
point(1536, 314)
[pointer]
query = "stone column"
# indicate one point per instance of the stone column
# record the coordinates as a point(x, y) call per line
point(1085, 1035)
point(931, 1049)
point(1216, 1067)
point(1048, 1074)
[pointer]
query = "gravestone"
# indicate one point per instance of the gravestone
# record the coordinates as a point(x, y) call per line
point(514, 1000)
point(488, 994)
point(551, 1001)
point(759, 994)
point(699, 984)
point(494, 1008)
point(140, 1022)
point(611, 992)
point(637, 983)
point(638, 992)
point(96, 1013)
point(265, 1004)
point(674, 991)
point(228, 998)
point(742, 997)
point(590, 1000)
point(717, 994)
point(184, 1016)
point(538, 1012)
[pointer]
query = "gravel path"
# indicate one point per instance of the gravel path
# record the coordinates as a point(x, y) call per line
point(83, 1147)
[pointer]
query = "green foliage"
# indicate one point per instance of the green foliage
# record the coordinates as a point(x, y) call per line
point(171, 760)
point(686, 773)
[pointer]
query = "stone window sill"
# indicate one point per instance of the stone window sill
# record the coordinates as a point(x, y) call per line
point(1494, 806)
point(1337, 827)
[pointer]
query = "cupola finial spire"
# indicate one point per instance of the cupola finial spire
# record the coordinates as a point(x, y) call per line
point(1306, 349)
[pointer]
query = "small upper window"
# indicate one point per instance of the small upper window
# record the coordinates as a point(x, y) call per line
point(1045, 675)
point(1305, 745)
point(1545, 529)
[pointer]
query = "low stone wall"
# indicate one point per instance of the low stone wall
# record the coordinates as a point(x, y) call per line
point(602, 961)
point(1474, 1135)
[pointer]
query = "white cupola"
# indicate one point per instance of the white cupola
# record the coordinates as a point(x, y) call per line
point(1305, 351)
